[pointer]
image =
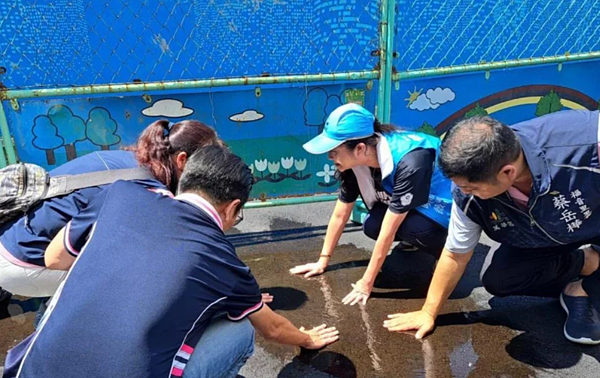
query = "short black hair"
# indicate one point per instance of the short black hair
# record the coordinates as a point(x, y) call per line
point(477, 148)
point(217, 173)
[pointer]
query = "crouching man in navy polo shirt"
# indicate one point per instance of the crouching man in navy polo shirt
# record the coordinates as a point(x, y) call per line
point(155, 288)
point(534, 187)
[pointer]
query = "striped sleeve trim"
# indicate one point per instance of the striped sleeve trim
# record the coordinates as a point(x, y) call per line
point(249, 311)
point(67, 242)
point(71, 250)
point(176, 372)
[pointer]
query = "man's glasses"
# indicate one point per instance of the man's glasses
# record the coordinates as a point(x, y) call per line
point(240, 217)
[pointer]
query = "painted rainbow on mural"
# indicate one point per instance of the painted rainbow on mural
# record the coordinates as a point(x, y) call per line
point(524, 95)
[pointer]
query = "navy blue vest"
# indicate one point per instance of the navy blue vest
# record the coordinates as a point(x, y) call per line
point(561, 150)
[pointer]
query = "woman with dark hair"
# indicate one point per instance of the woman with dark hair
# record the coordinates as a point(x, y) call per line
point(163, 149)
point(395, 173)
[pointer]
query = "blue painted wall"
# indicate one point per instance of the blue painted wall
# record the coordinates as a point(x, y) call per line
point(267, 130)
point(441, 33)
point(78, 42)
point(75, 42)
point(510, 95)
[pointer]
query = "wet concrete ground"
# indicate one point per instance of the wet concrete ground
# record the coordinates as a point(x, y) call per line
point(477, 336)
point(16, 322)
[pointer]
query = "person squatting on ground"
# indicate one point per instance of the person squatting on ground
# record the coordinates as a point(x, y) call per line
point(155, 288)
point(534, 187)
point(396, 175)
point(162, 149)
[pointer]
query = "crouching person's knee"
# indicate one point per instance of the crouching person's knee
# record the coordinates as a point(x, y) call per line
point(223, 349)
point(371, 227)
point(496, 284)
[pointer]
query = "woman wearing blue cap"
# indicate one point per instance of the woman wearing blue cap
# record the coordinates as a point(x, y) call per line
point(394, 172)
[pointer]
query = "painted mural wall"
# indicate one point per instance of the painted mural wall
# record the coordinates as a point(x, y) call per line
point(433, 105)
point(266, 126)
point(56, 43)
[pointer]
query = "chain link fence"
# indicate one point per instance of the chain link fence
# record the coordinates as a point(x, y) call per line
point(440, 33)
point(57, 43)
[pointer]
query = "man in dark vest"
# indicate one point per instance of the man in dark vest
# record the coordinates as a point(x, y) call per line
point(533, 187)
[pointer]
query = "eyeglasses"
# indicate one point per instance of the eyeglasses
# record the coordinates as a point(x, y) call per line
point(240, 217)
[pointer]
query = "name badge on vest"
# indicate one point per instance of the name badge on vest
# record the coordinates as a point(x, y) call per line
point(500, 220)
point(574, 211)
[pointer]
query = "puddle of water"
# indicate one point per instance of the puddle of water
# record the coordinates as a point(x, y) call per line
point(463, 360)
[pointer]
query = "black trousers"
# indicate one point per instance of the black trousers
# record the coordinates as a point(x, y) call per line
point(542, 272)
point(416, 229)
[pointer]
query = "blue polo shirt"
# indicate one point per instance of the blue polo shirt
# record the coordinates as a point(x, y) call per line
point(26, 238)
point(150, 274)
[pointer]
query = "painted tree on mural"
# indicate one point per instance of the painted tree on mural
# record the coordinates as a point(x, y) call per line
point(550, 103)
point(71, 128)
point(426, 128)
point(101, 129)
point(476, 111)
point(45, 137)
point(314, 107)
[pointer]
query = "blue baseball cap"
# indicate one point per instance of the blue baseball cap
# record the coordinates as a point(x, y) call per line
point(347, 122)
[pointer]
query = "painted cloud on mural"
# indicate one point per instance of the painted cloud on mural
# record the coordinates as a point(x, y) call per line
point(247, 116)
point(431, 99)
point(167, 108)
